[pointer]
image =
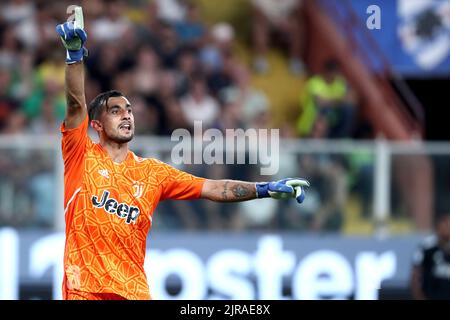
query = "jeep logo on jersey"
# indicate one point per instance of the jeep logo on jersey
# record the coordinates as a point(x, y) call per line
point(112, 206)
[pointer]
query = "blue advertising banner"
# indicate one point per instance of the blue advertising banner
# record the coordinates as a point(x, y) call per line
point(211, 266)
point(414, 35)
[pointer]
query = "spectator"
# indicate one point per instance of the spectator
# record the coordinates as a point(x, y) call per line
point(174, 119)
point(15, 170)
point(40, 179)
point(168, 46)
point(284, 17)
point(198, 105)
point(9, 47)
point(221, 78)
point(254, 217)
point(16, 123)
point(92, 10)
point(146, 119)
point(328, 193)
point(146, 72)
point(7, 104)
point(47, 122)
point(328, 105)
point(52, 70)
point(361, 178)
point(23, 76)
point(430, 277)
point(187, 65)
point(16, 12)
point(113, 25)
point(222, 34)
point(217, 59)
point(48, 88)
point(92, 88)
point(147, 31)
point(191, 30)
point(251, 103)
point(21, 15)
point(165, 105)
point(104, 62)
point(123, 82)
point(249, 216)
point(211, 57)
point(171, 11)
point(18, 63)
point(45, 32)
point(231, 115)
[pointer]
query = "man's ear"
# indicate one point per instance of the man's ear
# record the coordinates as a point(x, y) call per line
point(96, 125)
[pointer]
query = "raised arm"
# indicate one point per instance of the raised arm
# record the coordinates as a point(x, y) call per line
point(73, 40)
point(233, 190)
point(76, 101)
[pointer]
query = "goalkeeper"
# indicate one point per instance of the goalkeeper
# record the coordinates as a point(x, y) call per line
point(110, 194)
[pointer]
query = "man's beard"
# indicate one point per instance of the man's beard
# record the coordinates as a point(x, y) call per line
point(121, 139)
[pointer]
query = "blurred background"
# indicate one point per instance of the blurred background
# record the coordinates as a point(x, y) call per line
point(357, 88)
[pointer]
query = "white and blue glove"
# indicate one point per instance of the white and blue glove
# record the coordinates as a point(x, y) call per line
point(73, 40)
point(283, 189)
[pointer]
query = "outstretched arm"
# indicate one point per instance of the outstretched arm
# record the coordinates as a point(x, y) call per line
point(233, 190)
point(228, 190)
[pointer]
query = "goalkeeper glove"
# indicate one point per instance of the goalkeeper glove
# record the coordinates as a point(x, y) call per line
point(283, 189)
point(73, 40)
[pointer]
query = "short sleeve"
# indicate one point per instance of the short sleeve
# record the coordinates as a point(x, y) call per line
point(73, 144)
point(74, 141)
point(180, 185)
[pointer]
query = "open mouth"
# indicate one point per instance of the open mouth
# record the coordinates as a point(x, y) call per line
point(125, 126)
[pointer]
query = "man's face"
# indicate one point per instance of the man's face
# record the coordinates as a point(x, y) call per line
point(117, 120)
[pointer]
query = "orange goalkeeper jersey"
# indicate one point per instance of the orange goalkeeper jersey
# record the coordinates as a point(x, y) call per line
point(108, 213)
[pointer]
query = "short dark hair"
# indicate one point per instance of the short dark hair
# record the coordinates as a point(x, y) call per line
point(101, 101)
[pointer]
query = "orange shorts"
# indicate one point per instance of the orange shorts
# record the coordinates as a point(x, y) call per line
point(80, 295)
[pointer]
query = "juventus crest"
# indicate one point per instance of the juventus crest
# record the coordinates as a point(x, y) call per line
point(138, 188)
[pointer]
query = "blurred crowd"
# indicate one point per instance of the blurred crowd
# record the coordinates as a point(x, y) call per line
point(172, 66)
point(175, 69)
